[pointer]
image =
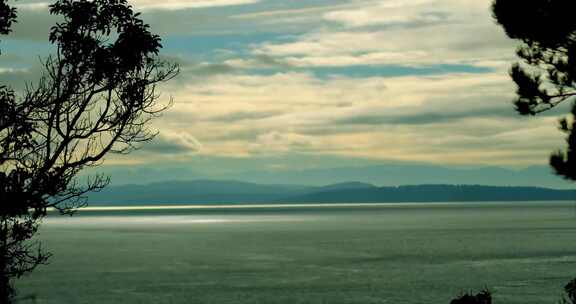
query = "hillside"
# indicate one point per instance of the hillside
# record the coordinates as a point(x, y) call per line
point(435, 193)
point(234, 192)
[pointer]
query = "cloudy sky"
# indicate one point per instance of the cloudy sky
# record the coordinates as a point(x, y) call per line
point(282, 85)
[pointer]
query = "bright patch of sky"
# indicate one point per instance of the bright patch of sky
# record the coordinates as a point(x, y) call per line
point(374, 80)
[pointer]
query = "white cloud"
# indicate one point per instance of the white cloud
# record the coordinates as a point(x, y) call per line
point(454, 118)
point(38, 6)
point(4, 70)
point(399, 32)
point(383, 13)
point(242, 115)
point(372, 58)
point(429, 45)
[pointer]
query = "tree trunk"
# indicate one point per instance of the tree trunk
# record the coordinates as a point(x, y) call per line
point(6, 289)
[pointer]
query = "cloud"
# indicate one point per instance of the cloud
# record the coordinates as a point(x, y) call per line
point(32, 6)
point(33, 24)
point(172, 143)
point(430, 45)
point(186, 4)
point(389, 13)
point(398, 32)
point(447, 119)
point(278, 142)
point(419, 80)
point(19, 78)
point(168, 18)
point(244, 115)
point(203, 70)
point(422, 117)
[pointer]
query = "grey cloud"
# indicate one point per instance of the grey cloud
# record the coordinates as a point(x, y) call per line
point(418, 21)
point(210, 69)
point(242, 115)
point(249, 135)
point(442, 110)
point(7, 58)
point(33, 25)
point(18, 79)
point(182, 62)
point(266, 17)
point(193, 72)
point(418, 116)
point(334, 129)
point(269, 61)
point(198, 22)
point(172, 144)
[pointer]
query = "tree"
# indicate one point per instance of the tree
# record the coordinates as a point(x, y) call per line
point(96, 96)
point(570, 293)
point(483, 297)
point(546, 74)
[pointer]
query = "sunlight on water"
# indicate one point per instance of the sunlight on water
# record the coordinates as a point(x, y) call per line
point(161, 220)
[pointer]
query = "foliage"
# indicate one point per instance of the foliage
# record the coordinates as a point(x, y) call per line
point(570, 290)
point(96, 97)
point(546, 74)
point(483, 297)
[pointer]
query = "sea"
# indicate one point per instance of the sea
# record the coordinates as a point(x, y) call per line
point(523, 252)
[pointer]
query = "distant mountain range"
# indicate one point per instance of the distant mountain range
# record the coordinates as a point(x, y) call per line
point(410, 174)
point(383, 175)
point(234, 192)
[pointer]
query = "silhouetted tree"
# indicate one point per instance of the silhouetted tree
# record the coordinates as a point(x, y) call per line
point(570, 290)
point(483, 297)
point(96, 96)
point(546, 74)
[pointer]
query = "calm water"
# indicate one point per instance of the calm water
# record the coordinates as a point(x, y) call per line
point(394, 253)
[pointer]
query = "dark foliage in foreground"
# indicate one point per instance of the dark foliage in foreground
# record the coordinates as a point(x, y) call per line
point(570, 290)
point(483, 297)
point(95, 97)
point(546, 73)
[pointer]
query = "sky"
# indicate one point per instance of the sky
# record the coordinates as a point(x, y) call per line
point(293, 85)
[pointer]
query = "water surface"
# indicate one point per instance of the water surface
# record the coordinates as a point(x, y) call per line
point(384, 253)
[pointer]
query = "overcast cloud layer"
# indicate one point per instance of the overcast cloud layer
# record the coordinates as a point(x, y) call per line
point(417, 81)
